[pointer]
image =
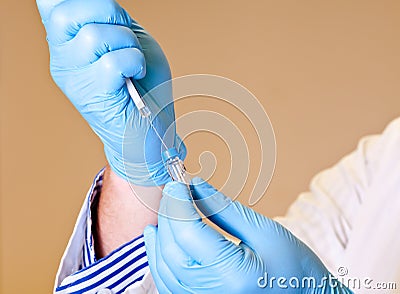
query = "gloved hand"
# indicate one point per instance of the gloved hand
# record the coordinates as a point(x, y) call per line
point(188, 256)
point(94, 45)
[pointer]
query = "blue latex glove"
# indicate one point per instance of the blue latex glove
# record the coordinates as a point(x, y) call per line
point(188, 256)
point(94, 45)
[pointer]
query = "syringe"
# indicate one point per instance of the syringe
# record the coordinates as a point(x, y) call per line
point(143, 109)
point(175, 166)
point(170, 156)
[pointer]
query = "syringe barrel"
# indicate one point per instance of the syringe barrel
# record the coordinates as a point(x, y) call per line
point(137, 99)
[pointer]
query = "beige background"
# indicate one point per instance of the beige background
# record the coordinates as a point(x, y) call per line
point(326, 71)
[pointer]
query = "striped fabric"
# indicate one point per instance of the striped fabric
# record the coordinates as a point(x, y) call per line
point(118, 270)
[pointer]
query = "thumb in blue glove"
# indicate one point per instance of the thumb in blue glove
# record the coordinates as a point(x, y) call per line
point(188, 256)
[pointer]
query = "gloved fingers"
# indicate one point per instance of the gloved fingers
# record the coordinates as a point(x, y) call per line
point(107, 76)
point(165, 280)
point(196, 239)
point(63, 20)
point(150, 241)
point(231, 216)
point(117, 65)
point(91, 42)
point(187, 270)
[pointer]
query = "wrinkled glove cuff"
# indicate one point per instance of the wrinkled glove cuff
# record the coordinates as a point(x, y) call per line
point(143, 174)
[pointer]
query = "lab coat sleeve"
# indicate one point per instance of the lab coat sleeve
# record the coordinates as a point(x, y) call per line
point(323, 218)
point(125, 270)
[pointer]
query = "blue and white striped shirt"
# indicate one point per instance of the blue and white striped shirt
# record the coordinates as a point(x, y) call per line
point(117, 271)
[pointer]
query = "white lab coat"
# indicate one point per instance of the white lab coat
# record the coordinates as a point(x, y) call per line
point(350, 218)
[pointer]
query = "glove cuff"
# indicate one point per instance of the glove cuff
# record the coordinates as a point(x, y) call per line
point(143, 174)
